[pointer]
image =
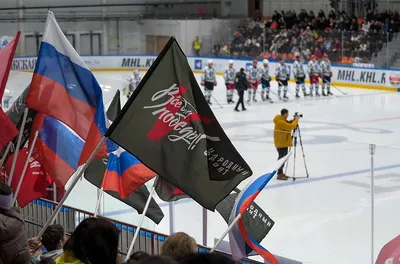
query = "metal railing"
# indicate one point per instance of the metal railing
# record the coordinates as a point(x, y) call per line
point(37, 213)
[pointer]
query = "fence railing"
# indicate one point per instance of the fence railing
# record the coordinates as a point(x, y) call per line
point(37, 213)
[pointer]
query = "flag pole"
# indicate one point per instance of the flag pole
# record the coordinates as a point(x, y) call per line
point(146, 207)
point(226, 232)
point(3, 159)
point(68, 192)
point(96, 211)
point(21, 131)
point(25, 167)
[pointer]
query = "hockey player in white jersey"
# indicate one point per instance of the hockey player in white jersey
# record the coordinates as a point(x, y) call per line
point(314, 72)
point(229, 77)
point(208, 80)
point(299, 76)
point(326, 74)
point(265, 82)
point(254, 77)
point(134, 81)
point(282, 75)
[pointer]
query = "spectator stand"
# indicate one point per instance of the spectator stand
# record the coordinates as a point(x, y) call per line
point(346, 39)
point(37, 213)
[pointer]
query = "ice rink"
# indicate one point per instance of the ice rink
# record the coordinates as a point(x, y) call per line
point(323, 219)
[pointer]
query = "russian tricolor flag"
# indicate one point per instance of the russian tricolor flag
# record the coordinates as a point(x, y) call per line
point(238, 238)
point(64, 88)
point(125, 173)
point(57, 148)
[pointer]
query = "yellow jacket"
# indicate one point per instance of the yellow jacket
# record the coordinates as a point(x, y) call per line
point(196, 44)
point(282, 132)
point(67, 258)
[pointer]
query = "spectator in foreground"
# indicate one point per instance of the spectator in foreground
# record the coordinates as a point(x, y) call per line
point(53, 241)
point(13, 240)
point(94, 241)
point(157, 260)
point(178, 246)
point(138, 256)
point(206, 258)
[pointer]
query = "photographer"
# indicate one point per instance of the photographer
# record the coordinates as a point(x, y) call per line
point(241, 85)
point(283, 136)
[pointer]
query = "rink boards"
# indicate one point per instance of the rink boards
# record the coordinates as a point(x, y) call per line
point(349, 76)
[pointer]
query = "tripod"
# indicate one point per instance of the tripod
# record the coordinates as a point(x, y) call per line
point(296, 134)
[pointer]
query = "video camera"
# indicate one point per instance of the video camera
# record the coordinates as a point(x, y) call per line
point(298, 114)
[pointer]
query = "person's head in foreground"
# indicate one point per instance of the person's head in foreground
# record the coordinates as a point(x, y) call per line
point(94, 241)
point(206, 258)
point(178, 245)
point(157, 260)
point(138, 256)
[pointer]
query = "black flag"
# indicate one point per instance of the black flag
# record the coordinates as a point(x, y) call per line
point(16, 114)
point(256, 222)
point(168, 125)
point(95, 172)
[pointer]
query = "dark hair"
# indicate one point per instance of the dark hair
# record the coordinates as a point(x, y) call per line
point(94, 241)
point(138, 255)
point(5, 189)
point(52, 236)
point(284, 111)
point(241, 69)
point(46, 261)
point(206, 258)
point(158, 260)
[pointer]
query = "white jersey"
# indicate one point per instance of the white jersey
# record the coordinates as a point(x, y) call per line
point(313, 68)
point(298, 70)
point(265, 73)
point(326, 68)
point(230, 75)
point(135, 79)
point(254, 74)
point(208, 74)
point(282, 72)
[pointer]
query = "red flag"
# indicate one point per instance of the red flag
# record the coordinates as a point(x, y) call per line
point(7, 56)
point(390, 253)
point(7, 129)
point(35, 181)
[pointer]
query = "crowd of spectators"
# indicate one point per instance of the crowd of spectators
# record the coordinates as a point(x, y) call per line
point(94, 241)
point(338, 34)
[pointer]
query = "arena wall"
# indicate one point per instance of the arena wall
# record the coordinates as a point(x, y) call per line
point(347, 76)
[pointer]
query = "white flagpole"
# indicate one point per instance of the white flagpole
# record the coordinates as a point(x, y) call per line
point(97, 210)
point(146, 207)
point(68, 192)
point(21, 131)
point(5, 154)
point(226, 232)
point(25, 167)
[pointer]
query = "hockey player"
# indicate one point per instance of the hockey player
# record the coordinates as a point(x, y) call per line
point(208, 80)
point(282, 76)
point(265, 82)
point(314, 72)
point(134, 81)
point(299, 76)
point(254, 77)
point(326, 74)
point(229, 76)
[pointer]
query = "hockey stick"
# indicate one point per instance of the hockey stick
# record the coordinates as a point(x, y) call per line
point(216, 101)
